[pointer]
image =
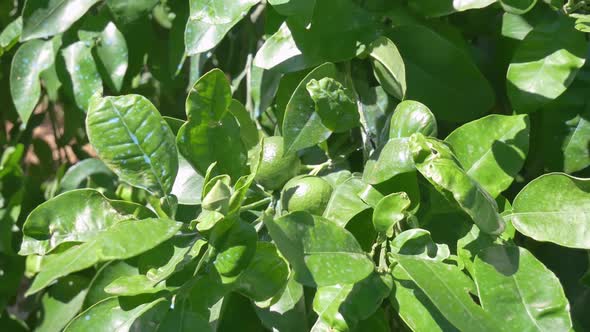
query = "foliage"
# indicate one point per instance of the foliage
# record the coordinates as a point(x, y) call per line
point(283, 165)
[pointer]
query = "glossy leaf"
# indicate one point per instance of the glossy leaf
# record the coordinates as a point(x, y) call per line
point(266, 275)
point(393, 159)
point(554, 208)
point(389, 211)
point(334, 103)
point(117, 242)
point(10, 35)
point(339, 30)
point(302, 9)
point(436, 8)
point(414, 307)
point(341, 307)
point(350, 198)
point(211, 133)
point(388, 67)
point(29, 61)
point(514, 285)
point(113, 55)
point(140, 146)
point(50, 17)
point(210, 97)
point(236, 248)
point(410, 117)
point(62, 302)
point(248, 130)
point(219, 12)
point(436, 162)
point(210, 20)
point(287, 313)
point(301, 239)
point(75, 216)
point(115, 314)
point(518, 7)
point(448, 289)
point(188, 184)
point(302, 126)
point(77, 175)
point(556, 60)
point(492, 149)
point(83, 73)
point(449, 84)
point(181, 318)
point(418, 242)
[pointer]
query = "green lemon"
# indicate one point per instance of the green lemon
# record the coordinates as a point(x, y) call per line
point(275, 168)
point(306, 193)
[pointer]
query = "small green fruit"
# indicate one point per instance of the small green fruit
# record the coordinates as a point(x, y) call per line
point(306, 193)
point(275, 168)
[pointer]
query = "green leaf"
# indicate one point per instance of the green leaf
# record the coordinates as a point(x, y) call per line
point(375, 105)
point(219, 12)
point(287, 313)
point(10, 35)
point(210, 98)
point(80, 173)
point(118, 242)
point(106, 274)
point(248, 130)
point(418, 242)
point(235, 248)
point(302, 126)
point(116, 314)
point(575, 149)
point(448, 289)
point(449, 84)
point(414, 307)
point(301, 238)
point(518, 7)
point(62, 302)
point(30, 60)
point(75, 216)
point(210, 20)
point(156, 265)
point(350, 198)
point(492, 149)
point(388, 67)
point(541, 55)
point(266, 275)
point(128, 12)
point(410, 117)
point(514, 285)
point(140, 146)
point(112, 55)
point(182, 319)
point(389, 211)
point(188, 184)
point(211, 133)
point(436, 162)
point(50, 17)
point(339, 30)
point(341, 307)
point(83, 73)
point(393, 159)
point(436, 8)
point(554, 208)
point(335, 104)
point(302, 9)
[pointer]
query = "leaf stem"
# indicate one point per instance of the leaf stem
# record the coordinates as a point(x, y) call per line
point(256, 204)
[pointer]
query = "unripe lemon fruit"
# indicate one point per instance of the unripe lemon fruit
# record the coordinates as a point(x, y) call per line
point(306, 193)
point(275, 168)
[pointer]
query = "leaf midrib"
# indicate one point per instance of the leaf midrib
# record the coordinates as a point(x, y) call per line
point(130, 135)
